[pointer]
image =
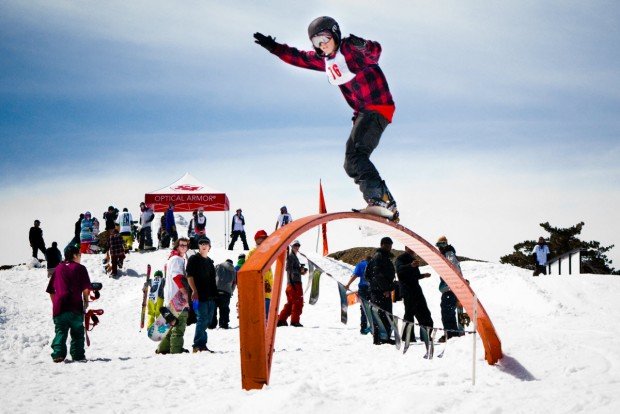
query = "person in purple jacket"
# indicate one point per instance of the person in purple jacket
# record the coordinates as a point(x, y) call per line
point(351, 64)
point(69, 288)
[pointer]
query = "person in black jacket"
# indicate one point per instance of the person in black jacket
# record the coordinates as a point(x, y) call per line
point(77, 230)
point(35, 236)
point(294, 290)
point(448, 298)
point(380, 273)
point(408, 271)
point(110, 217)
point(53, 257)
point(201, 278)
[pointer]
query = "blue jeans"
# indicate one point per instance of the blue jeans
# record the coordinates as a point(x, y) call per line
point(204, 315)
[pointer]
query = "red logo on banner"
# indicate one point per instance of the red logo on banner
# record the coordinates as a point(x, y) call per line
point(186, 187)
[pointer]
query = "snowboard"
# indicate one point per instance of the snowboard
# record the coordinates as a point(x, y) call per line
point(145, 291)
point(429, 342)
point(164, 322)
point(379, 211)
point(167, 318)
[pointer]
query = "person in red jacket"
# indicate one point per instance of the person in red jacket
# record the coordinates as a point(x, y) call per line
point(352, 64)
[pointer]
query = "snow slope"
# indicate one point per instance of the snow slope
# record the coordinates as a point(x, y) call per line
point(559, 334)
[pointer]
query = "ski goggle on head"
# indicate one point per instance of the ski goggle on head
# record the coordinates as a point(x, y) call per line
point(320, 38)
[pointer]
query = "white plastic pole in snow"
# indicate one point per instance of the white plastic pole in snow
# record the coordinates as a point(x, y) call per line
point(318, 236)
point(226, 216)
point(473, 362)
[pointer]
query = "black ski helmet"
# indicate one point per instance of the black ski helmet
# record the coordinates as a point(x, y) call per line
point(324, 24)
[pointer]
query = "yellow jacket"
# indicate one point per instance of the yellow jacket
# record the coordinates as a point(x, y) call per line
point(267, 277)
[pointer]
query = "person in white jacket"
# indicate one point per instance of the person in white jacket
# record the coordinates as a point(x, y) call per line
point(541, 251)
point(176, 298)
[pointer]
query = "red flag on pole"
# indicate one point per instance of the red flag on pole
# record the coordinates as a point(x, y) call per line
point(322, 210)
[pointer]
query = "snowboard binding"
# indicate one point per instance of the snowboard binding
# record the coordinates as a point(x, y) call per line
point(168, 316)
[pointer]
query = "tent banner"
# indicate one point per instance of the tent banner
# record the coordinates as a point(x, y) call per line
point(185, 198)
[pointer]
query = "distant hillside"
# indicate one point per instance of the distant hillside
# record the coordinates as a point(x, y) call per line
point(356, 254)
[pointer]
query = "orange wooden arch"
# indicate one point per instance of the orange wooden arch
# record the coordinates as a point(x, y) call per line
point(257, 337)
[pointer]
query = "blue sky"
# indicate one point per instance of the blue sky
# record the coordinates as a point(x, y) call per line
point(507, 113)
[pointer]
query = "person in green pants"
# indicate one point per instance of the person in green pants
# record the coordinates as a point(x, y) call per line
point(175, 295)
point(69, 288)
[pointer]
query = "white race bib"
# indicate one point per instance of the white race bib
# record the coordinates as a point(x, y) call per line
point(338, 72)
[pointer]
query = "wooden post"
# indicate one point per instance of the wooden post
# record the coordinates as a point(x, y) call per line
point(254, 370)
point(276, 289)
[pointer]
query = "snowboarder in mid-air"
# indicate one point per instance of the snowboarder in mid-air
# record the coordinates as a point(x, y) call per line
point(352, 64)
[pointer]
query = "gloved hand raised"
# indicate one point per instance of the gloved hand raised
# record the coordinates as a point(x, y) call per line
point(267, 42)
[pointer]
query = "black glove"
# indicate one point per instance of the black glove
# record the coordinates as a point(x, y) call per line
point(267, 42)
point(464, 319)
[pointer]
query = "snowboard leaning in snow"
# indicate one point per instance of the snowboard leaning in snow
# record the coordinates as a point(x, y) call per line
point(377, 211)
point(145, 291)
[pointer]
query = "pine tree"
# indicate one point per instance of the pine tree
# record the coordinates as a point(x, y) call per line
point(563, 240)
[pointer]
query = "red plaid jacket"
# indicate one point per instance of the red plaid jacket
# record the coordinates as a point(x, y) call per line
point(116, 245)
point(367, 90)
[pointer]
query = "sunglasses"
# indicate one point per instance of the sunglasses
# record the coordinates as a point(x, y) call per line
point(320, 38)
point(183, 245)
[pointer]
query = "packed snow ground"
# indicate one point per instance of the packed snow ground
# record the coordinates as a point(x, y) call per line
point(560, 338)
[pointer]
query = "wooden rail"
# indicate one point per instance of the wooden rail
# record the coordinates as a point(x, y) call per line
point(257, 336)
